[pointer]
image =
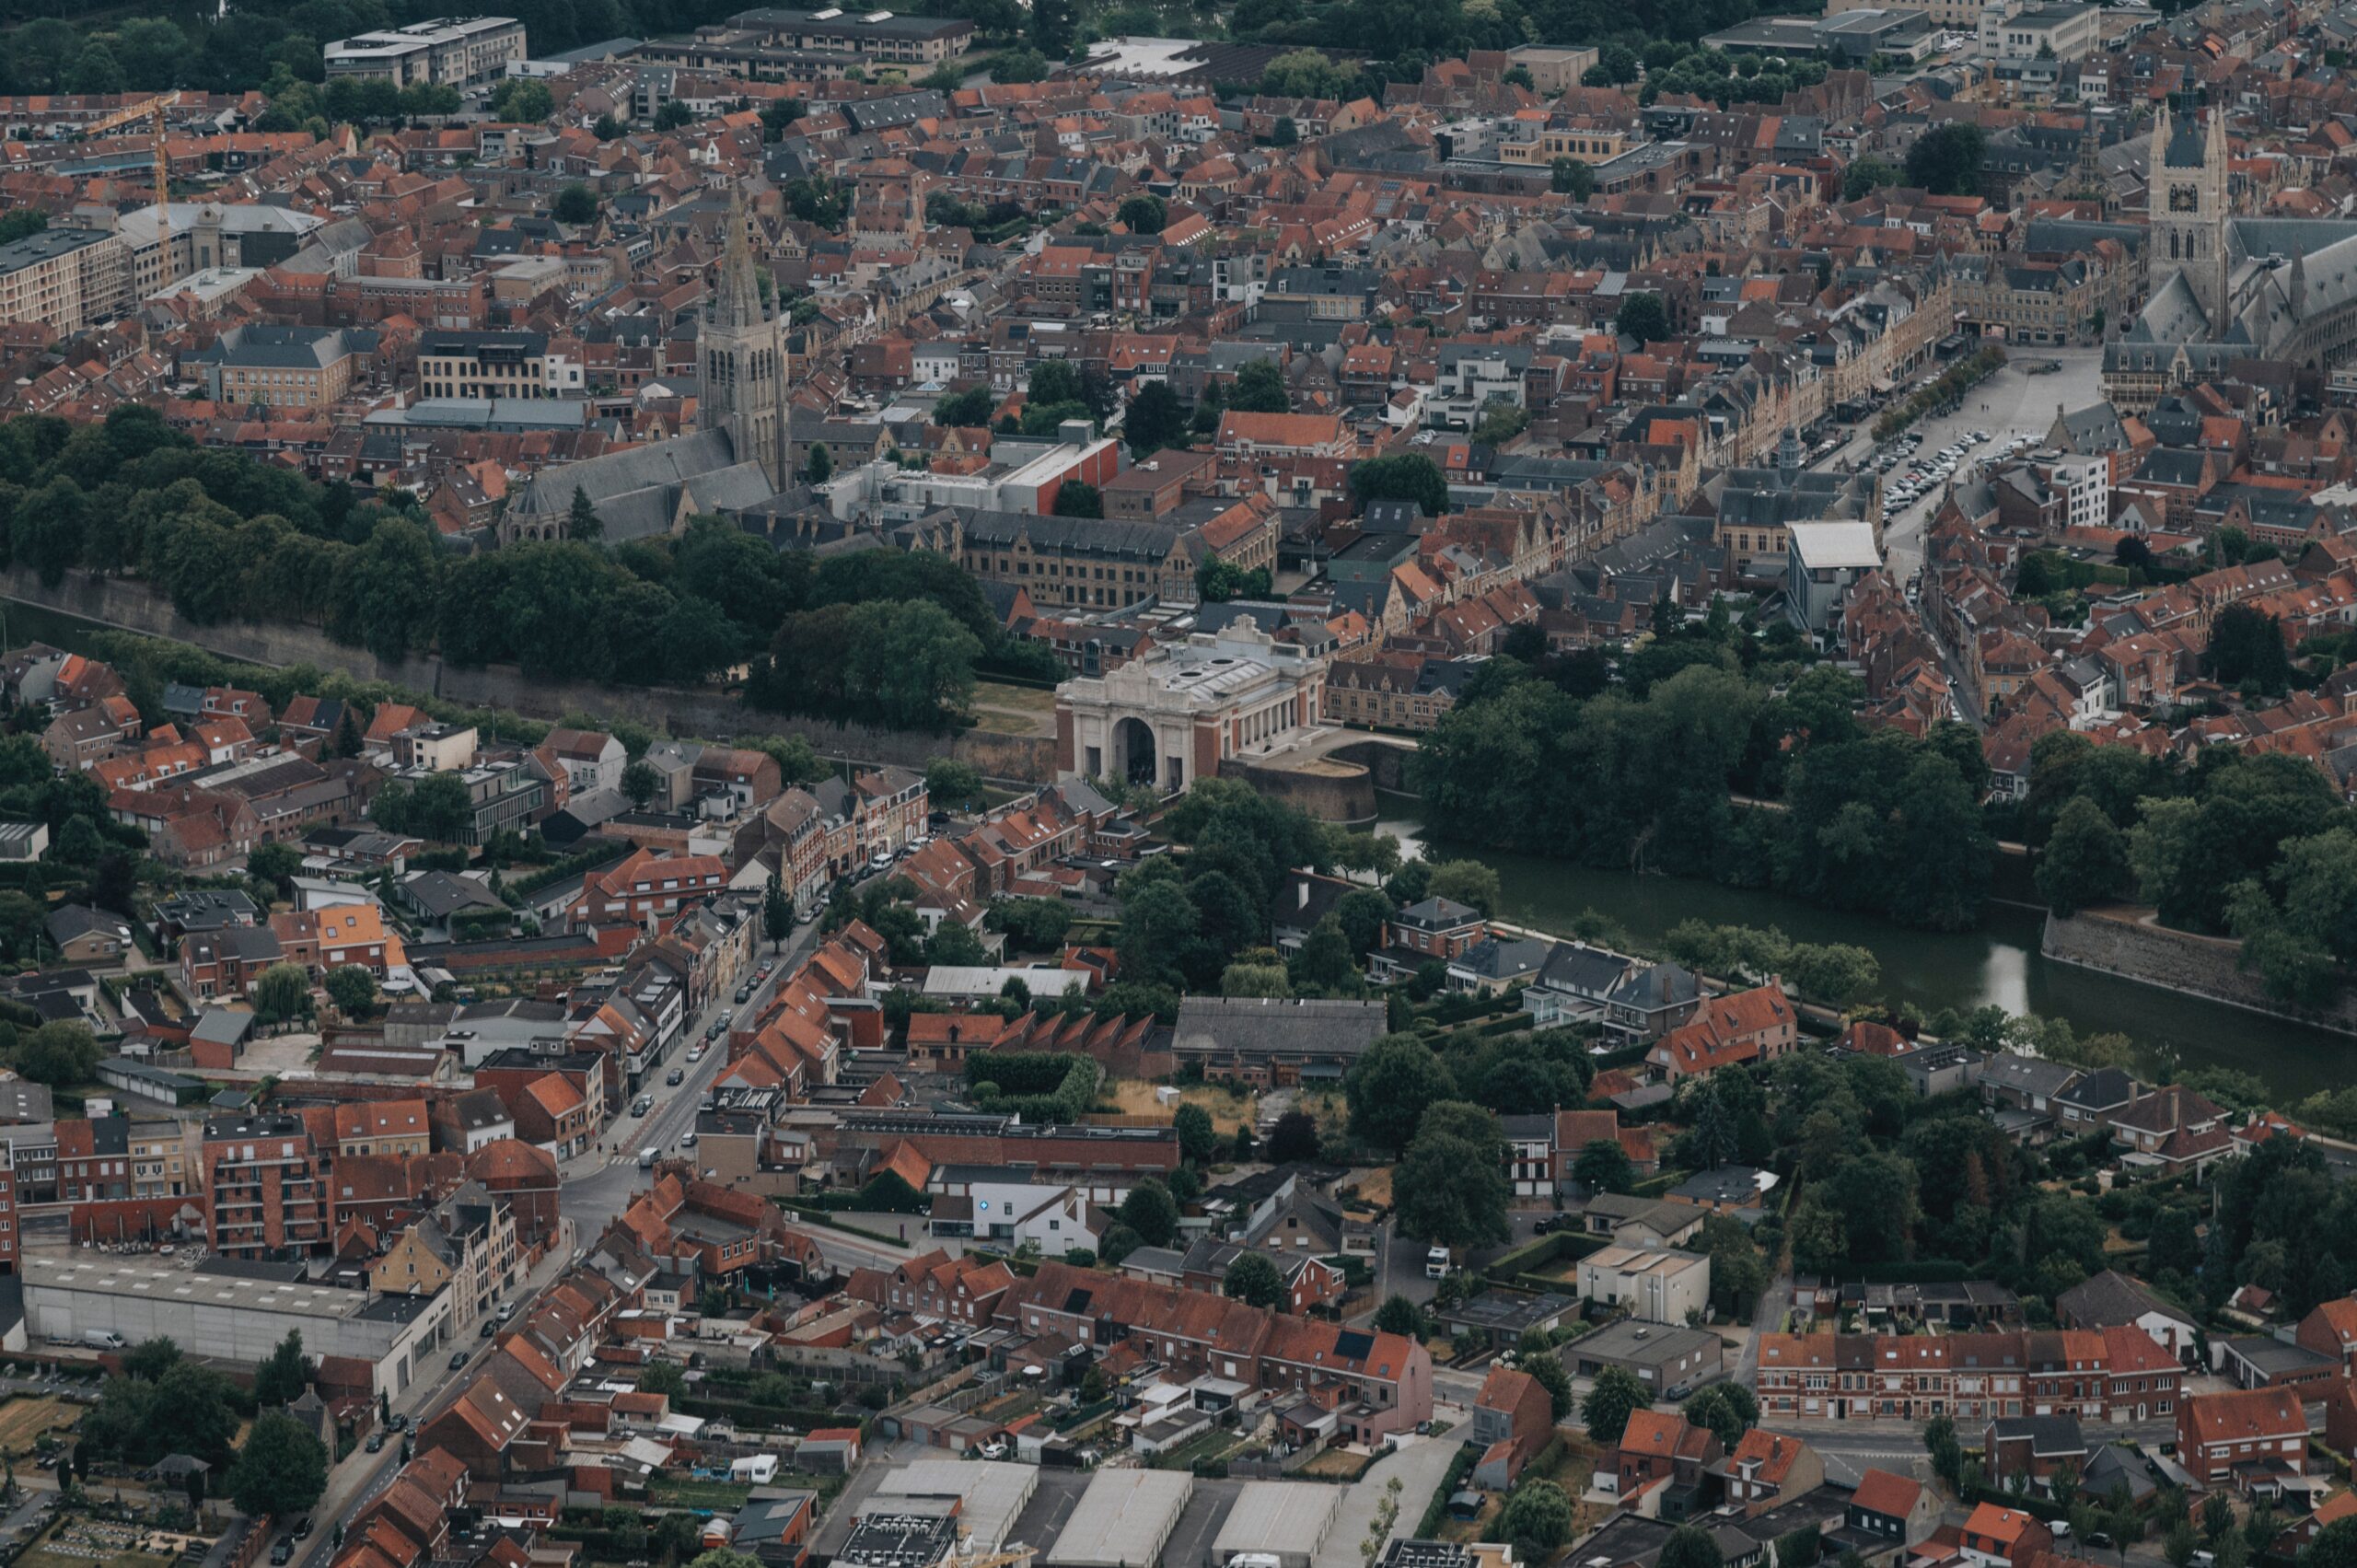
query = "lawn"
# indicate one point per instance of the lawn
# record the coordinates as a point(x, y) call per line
point(1013, 709)
point(1338, 1464)
point(23, 1420)
point(1229, 1107)
point(718, 1495)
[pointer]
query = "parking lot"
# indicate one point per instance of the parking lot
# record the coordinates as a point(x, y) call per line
point(2011, 402)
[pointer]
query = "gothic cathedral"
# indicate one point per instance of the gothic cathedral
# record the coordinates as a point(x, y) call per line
point(741, 359)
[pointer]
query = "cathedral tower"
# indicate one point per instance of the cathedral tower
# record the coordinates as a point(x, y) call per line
point(741, 359)
point(2189, 208)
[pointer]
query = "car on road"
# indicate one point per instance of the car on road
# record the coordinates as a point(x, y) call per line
point(283, 1552)
point(674, 1078)
point(303, 1528)
point(459, 1359)
point(489, 1328)
point(686, 1139)
point(744, 993)
point(375, 1442)
point(399, 1422)
point(695, 1053)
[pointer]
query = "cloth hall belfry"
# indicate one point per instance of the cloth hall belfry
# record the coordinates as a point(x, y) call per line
point(742, 360)
point(2226, 288)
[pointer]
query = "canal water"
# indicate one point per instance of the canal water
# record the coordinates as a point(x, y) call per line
point(1998, 962)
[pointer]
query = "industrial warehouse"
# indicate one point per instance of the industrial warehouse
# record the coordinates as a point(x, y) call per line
point(1122, 1520)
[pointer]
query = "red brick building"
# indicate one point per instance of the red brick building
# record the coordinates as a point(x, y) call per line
point(268, 1185)
point(2217, 1434)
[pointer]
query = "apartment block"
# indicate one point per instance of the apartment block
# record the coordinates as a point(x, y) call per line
point(451, 52)
point(268, 1186)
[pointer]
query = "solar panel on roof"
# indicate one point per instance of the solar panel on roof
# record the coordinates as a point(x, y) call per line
point(1353, 1345)
point(1078, 1301)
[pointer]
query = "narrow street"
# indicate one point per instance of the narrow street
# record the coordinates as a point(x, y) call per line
point(597, 1185)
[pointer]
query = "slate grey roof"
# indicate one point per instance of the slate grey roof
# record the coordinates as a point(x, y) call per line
point(2112, 1300)
point(1111, 537)
point(1288, 1026)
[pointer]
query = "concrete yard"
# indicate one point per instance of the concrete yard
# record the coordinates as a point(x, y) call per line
point(1421, 1464)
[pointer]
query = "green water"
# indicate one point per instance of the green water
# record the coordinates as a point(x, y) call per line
point(1999, 962)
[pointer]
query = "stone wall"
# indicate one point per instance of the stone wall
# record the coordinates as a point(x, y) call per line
point(2120, 940)
point(1329, 789)
point(129, 606)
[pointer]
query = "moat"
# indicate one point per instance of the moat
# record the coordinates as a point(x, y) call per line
point(1996, 962)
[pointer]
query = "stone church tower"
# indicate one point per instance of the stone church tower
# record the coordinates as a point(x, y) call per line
point(741, 359)
point(2189, 208)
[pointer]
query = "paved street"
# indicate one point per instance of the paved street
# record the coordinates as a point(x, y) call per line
point(2015, 402)
point(598, 1186)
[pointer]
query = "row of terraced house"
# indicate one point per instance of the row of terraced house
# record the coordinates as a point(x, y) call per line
point(2112, 1376)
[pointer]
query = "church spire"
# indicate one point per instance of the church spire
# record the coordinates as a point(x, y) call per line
point(738, 301)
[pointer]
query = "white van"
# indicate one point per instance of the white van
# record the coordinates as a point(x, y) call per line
point(648, 1156)
point(1436, 1263)
point(102, 1339)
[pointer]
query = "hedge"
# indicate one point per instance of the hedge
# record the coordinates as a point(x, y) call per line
point(1070, 1101)
point(752, 1413)
point(1520, 1266)
point(1436, 1510)
point(1918, 1271)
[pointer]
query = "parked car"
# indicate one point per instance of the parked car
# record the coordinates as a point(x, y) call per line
point(283, 1552)
point(376, 1443)
point(674, 1077)
point(458, 1359)
point(303, 1528)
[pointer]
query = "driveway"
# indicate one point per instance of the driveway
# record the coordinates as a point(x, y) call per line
point(1420, 1464)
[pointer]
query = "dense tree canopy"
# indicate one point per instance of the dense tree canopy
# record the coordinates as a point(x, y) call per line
point(1641, 774)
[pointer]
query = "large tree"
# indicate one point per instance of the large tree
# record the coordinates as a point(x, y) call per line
point(1690, 1545)
point(283, 1374)
point(1260, 387)
point(1945, 161)
point(1451, 1185)
point(1389, 1086)
point(1642, 315)
point(1401, 476)
point(2085, 859)
point(1612, 1398)
point(1536, 1519)
point(1253, 1279)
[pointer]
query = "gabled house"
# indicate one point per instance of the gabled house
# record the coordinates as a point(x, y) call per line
point(1768, 1470)
point(1757, 1025)
point(1890, 1511)
point(1659, 1468)
point(1512, 1418)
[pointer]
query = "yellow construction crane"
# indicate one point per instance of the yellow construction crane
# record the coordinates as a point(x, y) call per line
point(153, 111)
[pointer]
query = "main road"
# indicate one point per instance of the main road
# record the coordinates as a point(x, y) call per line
point(596, 1186)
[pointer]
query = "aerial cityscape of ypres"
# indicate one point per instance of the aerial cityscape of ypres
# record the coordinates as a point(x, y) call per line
point(1178, 783)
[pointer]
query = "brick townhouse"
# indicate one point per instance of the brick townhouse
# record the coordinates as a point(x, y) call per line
point(1757, 1025)
point(647, 886)
point(2112, 1375)
point(1375, 1384)
point(2219, 1434)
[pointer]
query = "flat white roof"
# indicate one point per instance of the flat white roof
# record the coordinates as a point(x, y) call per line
point(154, 1279)
point(1834, 545)
point(1122, 1519)
point(1287, 1518)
